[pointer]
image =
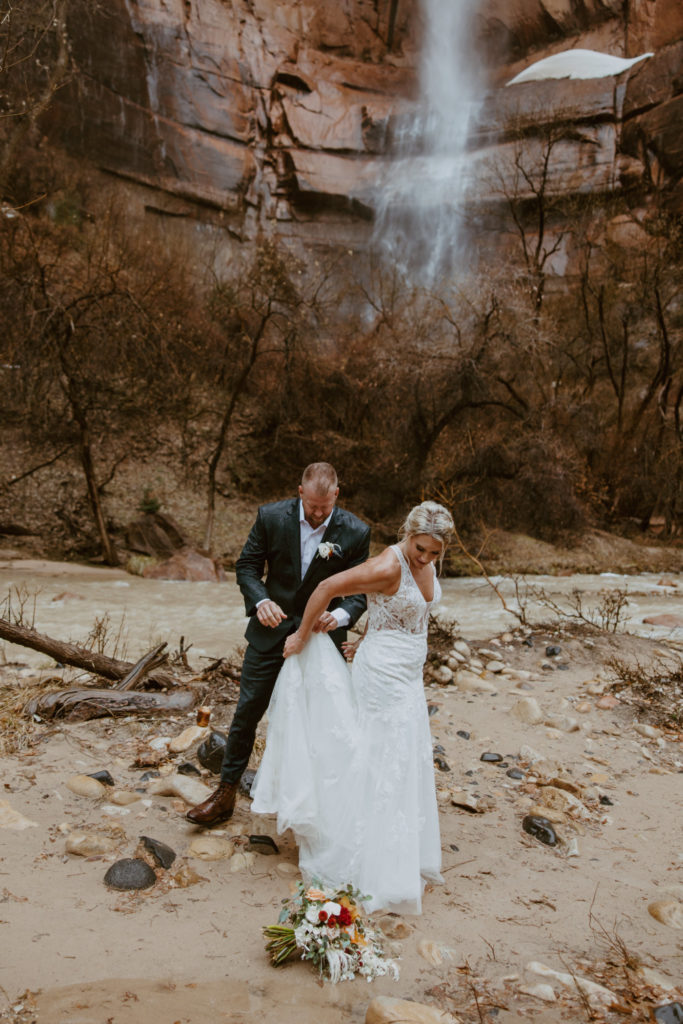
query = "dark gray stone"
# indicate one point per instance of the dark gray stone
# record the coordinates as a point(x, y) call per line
point(210, 751)
point(102, 776)
point(262, 844)
point(247, 781)
point(670, 1013)
point(163, 854)
point(130, 873)
point(540, 828)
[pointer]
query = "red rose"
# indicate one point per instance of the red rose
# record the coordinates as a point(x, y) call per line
point(345, 916)
point(322, 916)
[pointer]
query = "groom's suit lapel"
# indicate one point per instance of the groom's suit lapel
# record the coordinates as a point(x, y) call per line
point(293, 533)
point(331, 536)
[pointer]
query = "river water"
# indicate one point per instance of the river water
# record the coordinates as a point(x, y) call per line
point(64, 600)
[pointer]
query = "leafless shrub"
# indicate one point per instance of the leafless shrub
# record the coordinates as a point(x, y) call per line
point(105, 639)
point(656, 689)
point(607, 615)
point(19, 606)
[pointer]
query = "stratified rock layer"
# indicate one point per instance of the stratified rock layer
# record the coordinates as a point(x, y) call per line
point(275, 112)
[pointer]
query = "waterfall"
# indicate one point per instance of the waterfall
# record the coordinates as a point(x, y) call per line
point(420, 195)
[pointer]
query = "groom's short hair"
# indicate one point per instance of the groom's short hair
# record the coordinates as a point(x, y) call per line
point(321, 476)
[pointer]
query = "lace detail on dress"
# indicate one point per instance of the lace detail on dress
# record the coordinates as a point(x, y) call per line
point(406, 610)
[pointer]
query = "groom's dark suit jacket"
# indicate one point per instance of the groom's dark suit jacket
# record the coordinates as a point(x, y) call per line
point(273, 547)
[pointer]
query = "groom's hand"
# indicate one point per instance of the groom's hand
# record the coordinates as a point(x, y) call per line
point(270, 614)
point(326, 623)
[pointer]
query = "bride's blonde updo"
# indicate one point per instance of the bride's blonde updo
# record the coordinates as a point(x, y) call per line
point(432, 519)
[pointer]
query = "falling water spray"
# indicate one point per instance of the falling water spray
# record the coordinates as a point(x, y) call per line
point(420, 216)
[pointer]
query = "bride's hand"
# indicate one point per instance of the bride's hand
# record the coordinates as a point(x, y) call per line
point(349, 648)
point(293, 645)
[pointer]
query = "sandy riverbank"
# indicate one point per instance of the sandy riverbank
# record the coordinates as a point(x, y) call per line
point(91, 955)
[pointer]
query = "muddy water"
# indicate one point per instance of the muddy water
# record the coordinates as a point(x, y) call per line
point(64, 600)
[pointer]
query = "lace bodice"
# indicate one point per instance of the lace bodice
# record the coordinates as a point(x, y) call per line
point(406, 610)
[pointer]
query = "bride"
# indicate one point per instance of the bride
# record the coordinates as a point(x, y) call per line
point(348, 760)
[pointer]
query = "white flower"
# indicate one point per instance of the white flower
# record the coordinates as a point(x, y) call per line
point(332, 909)
point(326, 550)
point(312, 915)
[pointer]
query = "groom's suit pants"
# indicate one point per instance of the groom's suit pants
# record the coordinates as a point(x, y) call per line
point(260, 669)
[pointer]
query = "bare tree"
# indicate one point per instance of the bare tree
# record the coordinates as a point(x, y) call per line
point(94, 336)
point(35, 61)
point(255, 318)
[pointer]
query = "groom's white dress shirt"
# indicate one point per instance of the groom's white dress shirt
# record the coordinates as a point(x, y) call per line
point(310, 539)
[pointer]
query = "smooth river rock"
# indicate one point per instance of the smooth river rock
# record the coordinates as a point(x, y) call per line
point(210, 848)
point(130, 873)
point(394, 927)
point(189, 789)
point(89, 844)
point(387, 1010)
point(242, 860)
point(193, 734)
point(668, 912)
point(527, 710)
point(597, 995)
point(470, 682)
point(10, 818)
point(85, 785)
point(123, 797)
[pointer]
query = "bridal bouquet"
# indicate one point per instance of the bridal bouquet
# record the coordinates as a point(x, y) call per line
point(328, 929)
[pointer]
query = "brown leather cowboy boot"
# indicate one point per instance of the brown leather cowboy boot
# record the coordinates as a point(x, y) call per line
point(216, 808)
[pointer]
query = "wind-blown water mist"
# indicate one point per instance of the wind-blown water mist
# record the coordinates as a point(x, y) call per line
point(419, 208)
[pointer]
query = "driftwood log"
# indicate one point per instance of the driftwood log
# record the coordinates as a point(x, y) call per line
point(142, 668)
point(81, 657)
point(81, 705)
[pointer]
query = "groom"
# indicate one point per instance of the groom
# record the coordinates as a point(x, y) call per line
point(302, 541)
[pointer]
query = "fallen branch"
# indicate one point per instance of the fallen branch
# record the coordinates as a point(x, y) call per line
point(29, 472)
point(143, 667)
point(78, 657)
point(81, 705)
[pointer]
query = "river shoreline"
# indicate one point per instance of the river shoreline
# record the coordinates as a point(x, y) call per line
point(81, 952)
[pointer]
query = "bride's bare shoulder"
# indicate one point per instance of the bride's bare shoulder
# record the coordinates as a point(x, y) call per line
point(385, 568)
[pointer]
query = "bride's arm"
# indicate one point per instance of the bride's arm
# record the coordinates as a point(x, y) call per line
point(381, 574)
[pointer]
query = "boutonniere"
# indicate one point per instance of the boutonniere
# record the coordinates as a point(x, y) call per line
point(326, 550)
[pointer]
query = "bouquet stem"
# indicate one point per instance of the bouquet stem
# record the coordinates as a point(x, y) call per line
point(282, 943)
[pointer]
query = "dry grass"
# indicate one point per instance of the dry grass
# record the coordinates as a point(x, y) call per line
point(16, 731)
point(656, 690)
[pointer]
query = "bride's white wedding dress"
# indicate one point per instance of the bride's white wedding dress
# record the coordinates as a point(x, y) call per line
point(348, 760)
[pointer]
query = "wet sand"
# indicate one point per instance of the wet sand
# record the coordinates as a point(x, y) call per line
point(92, 955)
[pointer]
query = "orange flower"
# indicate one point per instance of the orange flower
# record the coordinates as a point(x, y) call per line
point(315, 894)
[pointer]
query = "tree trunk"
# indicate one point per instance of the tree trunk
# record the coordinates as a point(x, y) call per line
point(72, 654)
point(108, 550)
point(222, 435)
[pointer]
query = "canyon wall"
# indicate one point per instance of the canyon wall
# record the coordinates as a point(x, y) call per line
point(278, 115)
